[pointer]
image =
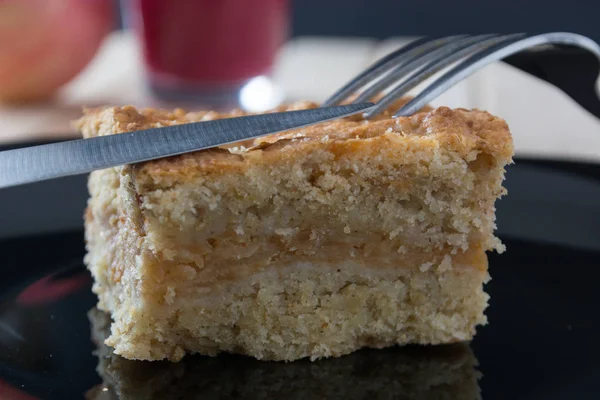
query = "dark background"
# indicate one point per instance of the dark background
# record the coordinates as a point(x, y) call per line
point(385, 18)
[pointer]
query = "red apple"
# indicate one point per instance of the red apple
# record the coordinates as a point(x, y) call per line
point(45, 43)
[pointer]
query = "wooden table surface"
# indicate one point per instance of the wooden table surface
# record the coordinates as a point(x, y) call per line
point(545, 122)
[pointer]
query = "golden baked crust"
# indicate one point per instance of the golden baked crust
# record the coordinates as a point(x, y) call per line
point(310, 243)
point(467, 132)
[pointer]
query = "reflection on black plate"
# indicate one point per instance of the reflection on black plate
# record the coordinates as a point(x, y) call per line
point(412, 372)
point(542, 341)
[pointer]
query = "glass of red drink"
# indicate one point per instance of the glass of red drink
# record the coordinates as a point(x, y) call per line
point(206, 51)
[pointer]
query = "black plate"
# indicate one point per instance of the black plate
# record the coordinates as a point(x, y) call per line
point(541, 343)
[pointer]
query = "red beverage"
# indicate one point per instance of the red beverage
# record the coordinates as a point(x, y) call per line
point(208, 49)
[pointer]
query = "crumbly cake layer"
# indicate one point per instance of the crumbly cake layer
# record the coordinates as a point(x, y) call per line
point(308, 310)
point(402, 209)
point(442, 372)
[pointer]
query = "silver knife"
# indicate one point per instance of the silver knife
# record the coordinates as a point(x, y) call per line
point(37, 163)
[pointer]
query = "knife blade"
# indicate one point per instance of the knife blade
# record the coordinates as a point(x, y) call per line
point(36, 163)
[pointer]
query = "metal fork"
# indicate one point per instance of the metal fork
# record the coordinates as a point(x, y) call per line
point(404, 69)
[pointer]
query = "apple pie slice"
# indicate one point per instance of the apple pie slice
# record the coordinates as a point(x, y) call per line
point(312, 243)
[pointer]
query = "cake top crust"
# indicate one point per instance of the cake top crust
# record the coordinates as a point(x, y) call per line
point(466, 132)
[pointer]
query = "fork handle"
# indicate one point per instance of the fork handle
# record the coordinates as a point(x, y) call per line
point(573, 70)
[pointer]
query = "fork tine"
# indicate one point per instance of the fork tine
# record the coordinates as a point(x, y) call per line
point(439, 62)
point(414, 64)
point(488, 55)
point(380, 67)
